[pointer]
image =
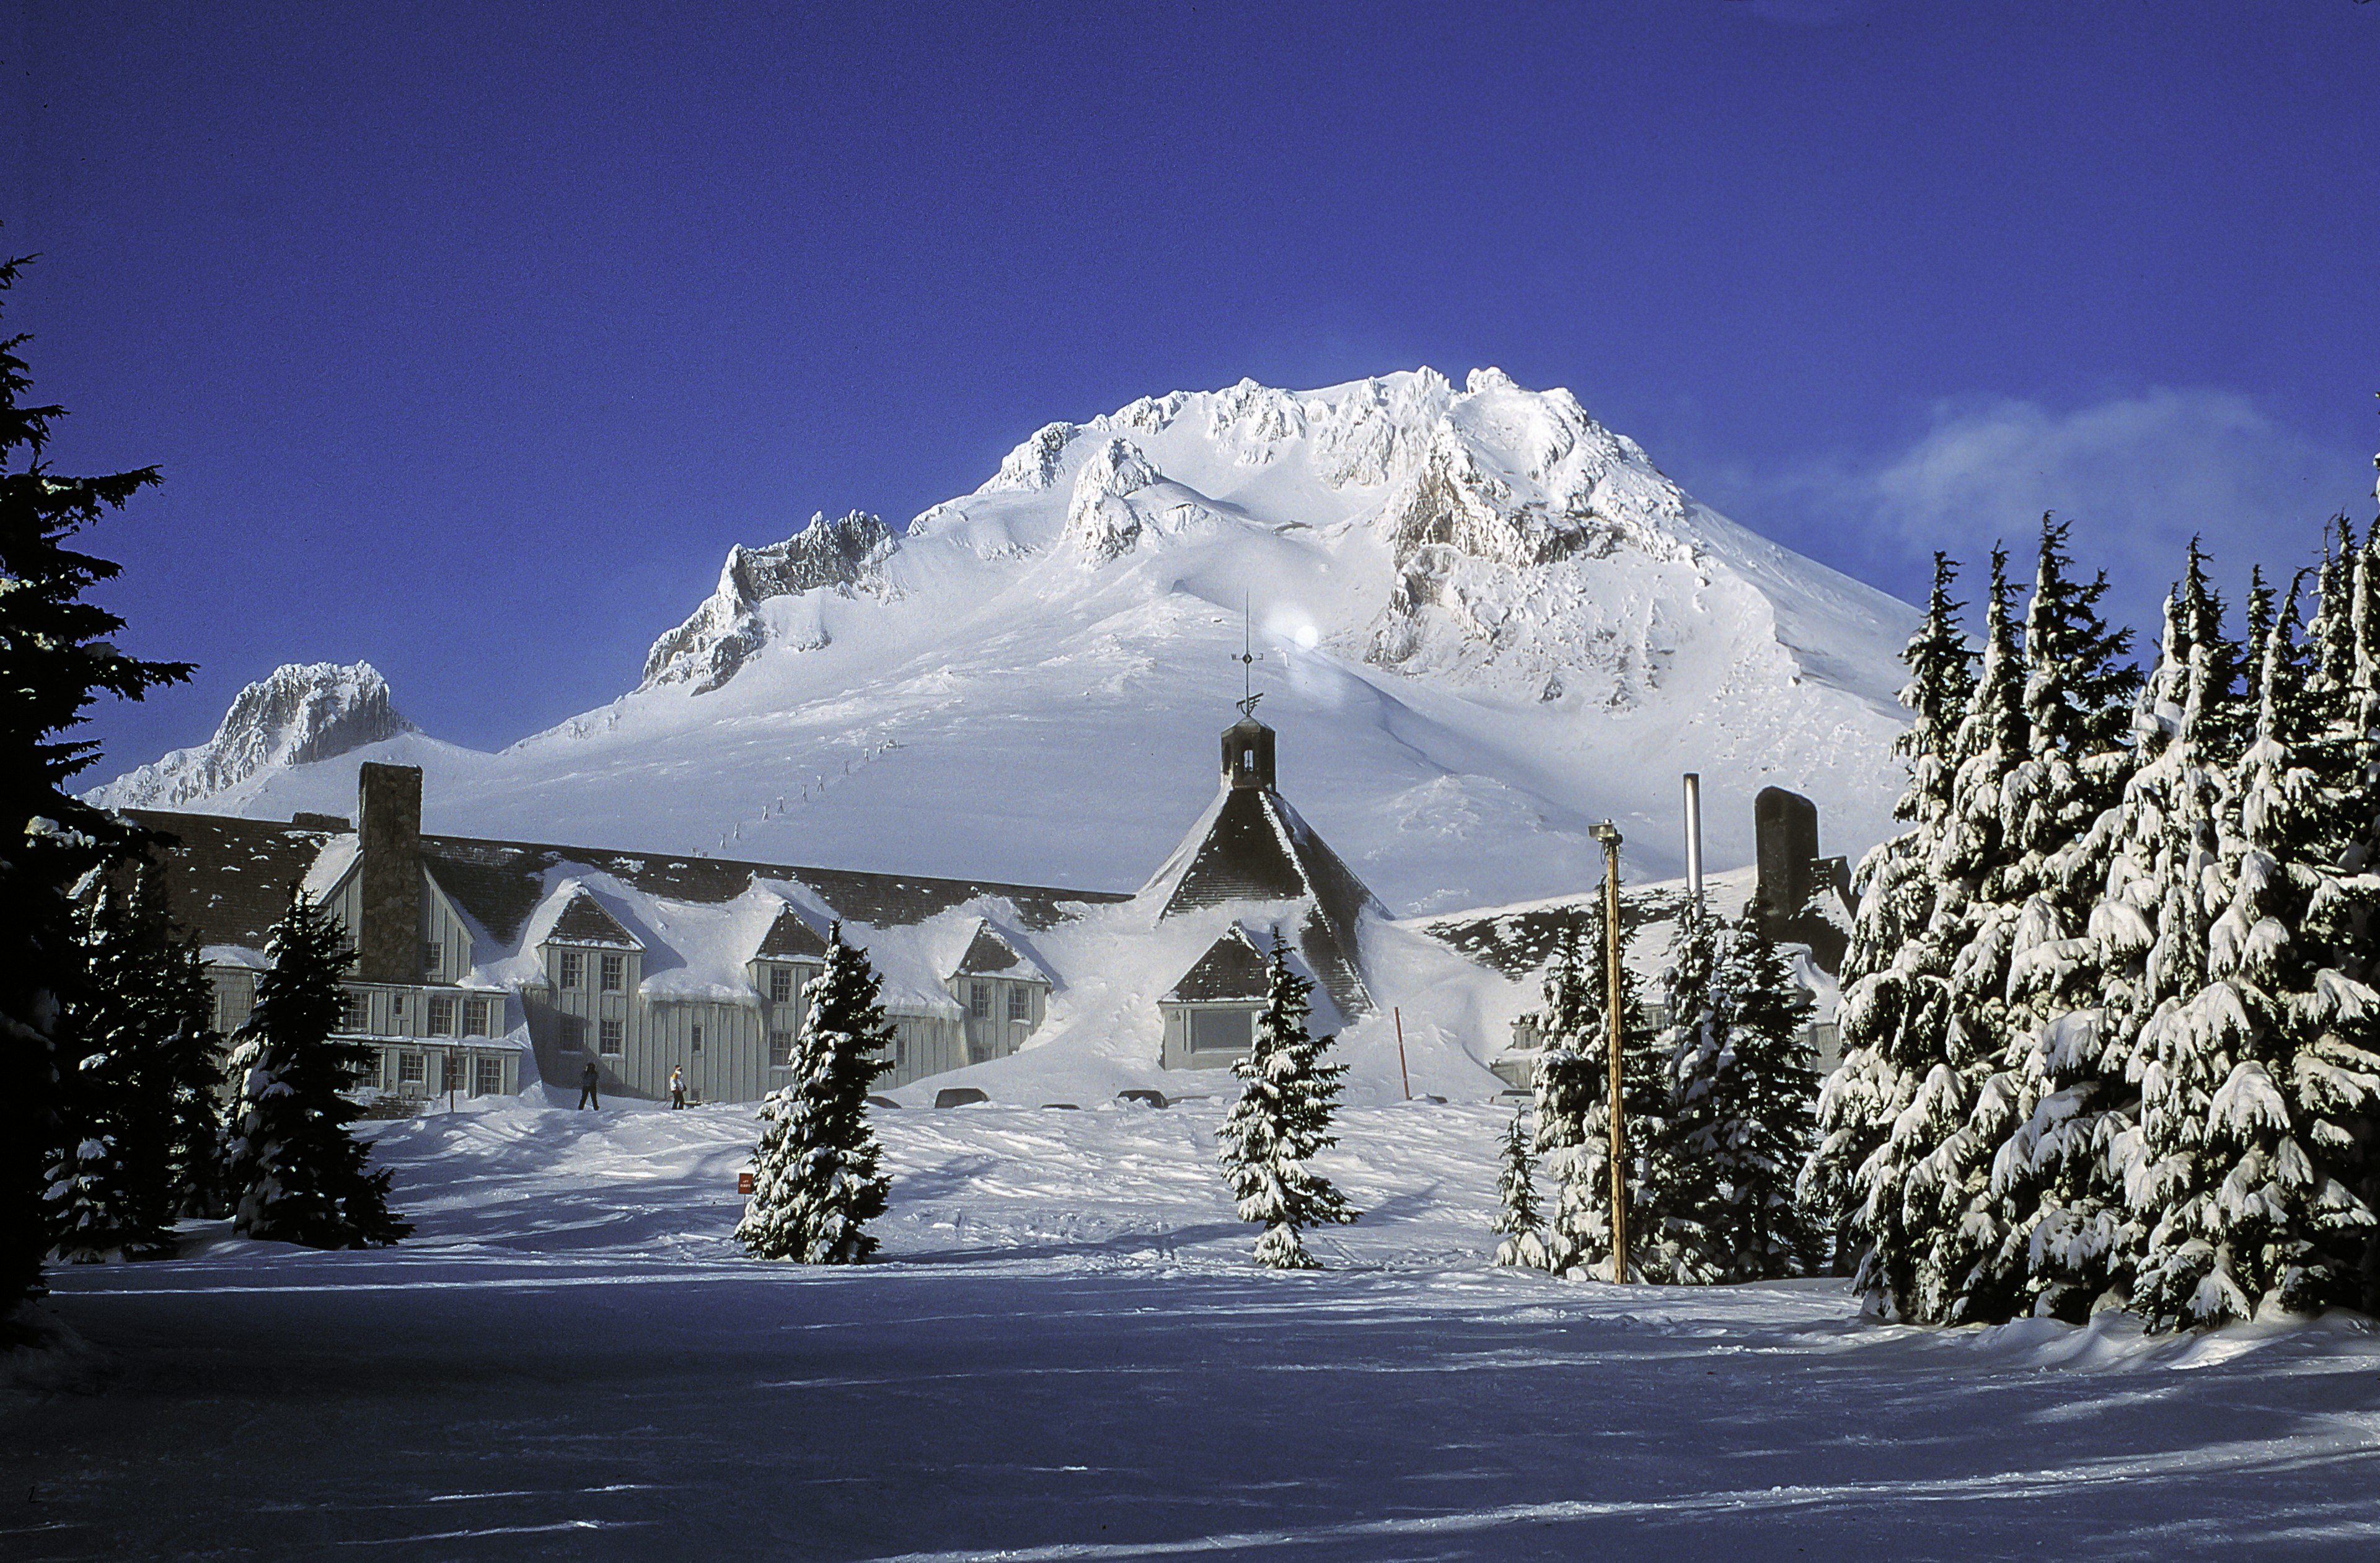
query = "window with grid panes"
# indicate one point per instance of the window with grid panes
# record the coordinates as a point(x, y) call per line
point(781, 986)
point(781, 1049)
point(980, 999)
point(488, 1076)
point(1020, 1001)
point(615, 972)
point(608, 1032)
point(475, 1017)
point(442, 1017)
point(354, 1013)
point(368, 1072)
point(574, 969)
point(434, 957)
point(411, 1069)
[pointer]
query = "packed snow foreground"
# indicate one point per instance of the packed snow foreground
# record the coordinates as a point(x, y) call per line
point(1061, 1350)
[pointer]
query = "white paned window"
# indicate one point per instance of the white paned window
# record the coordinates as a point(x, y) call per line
point(475, 1017)
point(488, 1077)
point(354, 1010)
point(433, 958)
point(442, 1017)
point(781, 1049)
point(1020, 1002)
point(608, 1034)
point(781, 986)
point(411, 1069)
point(616, 973)
point(574, 969)
point(980, 999)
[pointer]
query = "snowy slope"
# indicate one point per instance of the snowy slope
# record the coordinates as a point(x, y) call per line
point(1485, 622)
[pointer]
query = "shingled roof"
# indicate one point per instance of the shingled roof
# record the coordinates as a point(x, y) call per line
point(990, 955)
point(1251, 846)
point(585, 921)
point(230, 879)
point(1231, 970)
point(790, 938)
point(226, 879)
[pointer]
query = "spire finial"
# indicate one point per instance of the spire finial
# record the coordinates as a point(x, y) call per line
point(1248, 659)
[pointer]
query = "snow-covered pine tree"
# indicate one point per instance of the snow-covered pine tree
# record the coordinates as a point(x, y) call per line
point(818, 1174)
point(1693, 1053)
point(1746, 1099)
point(2062, 1210)
point(54, 660)
point(110, 1189)
point(2257, 1196)
point(1518, 1219)
point(1895, 1007)
point(2166, 883)
point(292, 1166)
point(1287, 1095)
point(1935, 1162)
point(1569, 1080)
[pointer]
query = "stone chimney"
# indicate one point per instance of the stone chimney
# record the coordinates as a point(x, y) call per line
point(388, 825)
point(1785, 835)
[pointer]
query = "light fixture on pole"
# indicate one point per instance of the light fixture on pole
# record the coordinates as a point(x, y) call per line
point(1608, 835)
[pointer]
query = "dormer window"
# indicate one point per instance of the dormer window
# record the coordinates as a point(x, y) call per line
point(781, 985)
point(616, 969)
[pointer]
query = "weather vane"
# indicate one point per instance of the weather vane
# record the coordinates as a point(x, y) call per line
point(1248, 659)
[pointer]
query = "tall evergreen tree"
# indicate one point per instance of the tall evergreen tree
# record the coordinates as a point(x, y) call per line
point(2169, 879)
point(2253, 1193)
point(1746, 1088)
point(1287, 1095)
point(2057, 1205)
point(817, 1177)
point(1569, 1078)
point(295, 1171)
point(54, 660)
point(1894, 1013)
point(111, 1185)
point(1518, 1219)
point(1936, 1158)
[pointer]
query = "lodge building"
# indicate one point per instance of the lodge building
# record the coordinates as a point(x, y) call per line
point(484, 964)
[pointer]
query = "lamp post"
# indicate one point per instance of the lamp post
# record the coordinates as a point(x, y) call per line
point(1608, 835)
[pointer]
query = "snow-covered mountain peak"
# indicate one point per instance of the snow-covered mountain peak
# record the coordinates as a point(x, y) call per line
point(299, 713)
point(846, 555)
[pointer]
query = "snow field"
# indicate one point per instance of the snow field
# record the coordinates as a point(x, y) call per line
point(1063, 1353)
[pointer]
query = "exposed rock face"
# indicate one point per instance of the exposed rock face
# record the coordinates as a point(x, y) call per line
point(846, 556)
point(302, 713)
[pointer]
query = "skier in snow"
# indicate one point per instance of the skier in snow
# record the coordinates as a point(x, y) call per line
point(588, 1095)
point(677, 1088)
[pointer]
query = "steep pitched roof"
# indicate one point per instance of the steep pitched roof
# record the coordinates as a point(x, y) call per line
point(585, 921)
point(227, 879)
point(1251, 846)
point(1232, 969)
point(988, 954)
point(790, 938)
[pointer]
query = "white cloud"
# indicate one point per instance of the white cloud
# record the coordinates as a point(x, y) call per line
point(2135, 477)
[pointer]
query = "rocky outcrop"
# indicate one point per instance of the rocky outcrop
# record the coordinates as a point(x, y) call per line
point(300, 713)
point(846, 556)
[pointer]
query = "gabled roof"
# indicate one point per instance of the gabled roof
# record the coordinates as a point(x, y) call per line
point(1251, 846)
point(583, 921)
point(790, 938)
point(990, 955)
point(1231, 970)
point(228, 880)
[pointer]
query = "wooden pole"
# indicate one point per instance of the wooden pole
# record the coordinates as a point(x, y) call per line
point(1399, 1014)
point(1609, 836)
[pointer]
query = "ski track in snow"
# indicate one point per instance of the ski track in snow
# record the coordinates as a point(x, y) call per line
point(1063, 1353)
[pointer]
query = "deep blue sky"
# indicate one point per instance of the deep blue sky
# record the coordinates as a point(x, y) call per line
point(470, 336)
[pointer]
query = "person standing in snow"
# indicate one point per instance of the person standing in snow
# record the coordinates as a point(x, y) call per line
point(588, 1095)
point(677, 1088)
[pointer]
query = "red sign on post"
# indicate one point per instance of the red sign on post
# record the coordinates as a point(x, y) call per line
point(742, 1182)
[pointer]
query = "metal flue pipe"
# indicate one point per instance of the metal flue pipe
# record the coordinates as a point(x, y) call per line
point(1694, 835)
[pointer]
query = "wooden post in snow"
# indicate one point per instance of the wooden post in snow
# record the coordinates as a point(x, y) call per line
point(1608, 835)
point(1401, 1070)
